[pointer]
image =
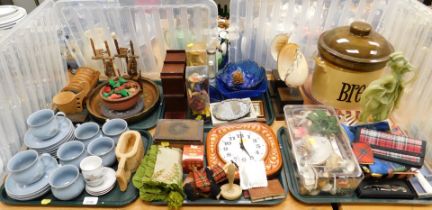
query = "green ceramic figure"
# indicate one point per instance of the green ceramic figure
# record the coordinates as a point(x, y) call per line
point(381, 97)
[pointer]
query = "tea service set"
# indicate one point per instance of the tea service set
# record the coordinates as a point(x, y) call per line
point(85, 155)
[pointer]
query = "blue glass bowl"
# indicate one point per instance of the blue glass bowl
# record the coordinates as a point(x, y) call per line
point(257, 92)
point(215, 95)
point(253, 75)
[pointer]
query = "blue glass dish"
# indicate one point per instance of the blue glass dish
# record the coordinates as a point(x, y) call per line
point(215, 95)
point(253, 75)
point(257, 92)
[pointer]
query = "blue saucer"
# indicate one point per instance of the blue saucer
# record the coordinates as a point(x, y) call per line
point(39, 188)
point(36, 143)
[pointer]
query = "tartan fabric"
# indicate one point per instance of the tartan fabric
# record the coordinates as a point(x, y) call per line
point(399, 158)
point(201, 180)
point(218, 173)
point(393, 143)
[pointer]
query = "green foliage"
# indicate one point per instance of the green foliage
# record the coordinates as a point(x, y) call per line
point(323, 124)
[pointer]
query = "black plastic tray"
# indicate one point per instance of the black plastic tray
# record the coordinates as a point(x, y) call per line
point(326, 199)
point(242, 201)
point(268, 109)
point(115, 198)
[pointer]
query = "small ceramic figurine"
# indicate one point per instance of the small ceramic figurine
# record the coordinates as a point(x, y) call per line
point(231, 191)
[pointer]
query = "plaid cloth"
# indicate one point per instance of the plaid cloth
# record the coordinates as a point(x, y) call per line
point(201, 180)
point(392, 143)
point(219, 174)
point(409, 160)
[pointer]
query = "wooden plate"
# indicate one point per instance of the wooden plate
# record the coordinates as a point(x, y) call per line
point(150, 96)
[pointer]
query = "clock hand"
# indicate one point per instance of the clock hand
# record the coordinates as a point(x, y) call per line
point(242, 146)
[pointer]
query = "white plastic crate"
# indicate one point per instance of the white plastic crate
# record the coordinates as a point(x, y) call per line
point(32, 68)
point(407, 24)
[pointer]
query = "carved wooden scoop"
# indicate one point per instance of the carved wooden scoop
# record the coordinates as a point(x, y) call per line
point(129, 152)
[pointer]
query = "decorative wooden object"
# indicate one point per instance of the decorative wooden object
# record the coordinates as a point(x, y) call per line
point(129, 152)
point(173, 84)
point(178, 132)
point(149, 99)
point(231, 191)
point(107, 59)
point(70, 99)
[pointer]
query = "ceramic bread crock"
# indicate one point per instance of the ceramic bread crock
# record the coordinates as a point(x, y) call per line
point(350, 57)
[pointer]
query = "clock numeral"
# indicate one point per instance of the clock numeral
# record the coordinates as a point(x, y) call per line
point(227, 143)
point(232, 138)
point(228, 154)
point(258, 146)
point(225, 149)
point(252, 158)
point(255, 140)
point(244, 159)
point(257, 152)
point(248, 136)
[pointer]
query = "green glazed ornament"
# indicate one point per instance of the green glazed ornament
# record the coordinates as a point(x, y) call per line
point(382, 96)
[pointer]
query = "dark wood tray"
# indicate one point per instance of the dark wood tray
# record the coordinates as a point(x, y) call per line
point(150, 96)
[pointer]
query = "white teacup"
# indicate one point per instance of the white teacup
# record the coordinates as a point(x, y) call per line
point(92, 170)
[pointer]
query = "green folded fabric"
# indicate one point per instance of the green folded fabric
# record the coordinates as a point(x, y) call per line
point(159, 176)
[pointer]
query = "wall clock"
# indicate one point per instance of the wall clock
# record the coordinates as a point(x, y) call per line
point(243, 142)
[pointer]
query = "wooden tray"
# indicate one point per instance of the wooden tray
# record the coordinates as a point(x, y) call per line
point(150, 98)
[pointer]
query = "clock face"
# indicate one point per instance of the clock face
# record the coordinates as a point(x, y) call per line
point(242, 142)
point(240, 146)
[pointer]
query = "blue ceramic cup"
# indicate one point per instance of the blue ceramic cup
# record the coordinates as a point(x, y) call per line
point(87, 132)
point(114, 128)
point(104, 148)
point(66, 182)
point(26, 167)
point(44, 124)
point(71, 153)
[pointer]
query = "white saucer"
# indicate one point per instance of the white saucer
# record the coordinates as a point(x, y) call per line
point(66, 127)
point(28, 192)
point(7, 10)
point(106, 186)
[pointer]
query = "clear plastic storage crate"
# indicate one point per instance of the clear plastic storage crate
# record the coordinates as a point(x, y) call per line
point(33, 53)
point(32, 63)
point(407, 24)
